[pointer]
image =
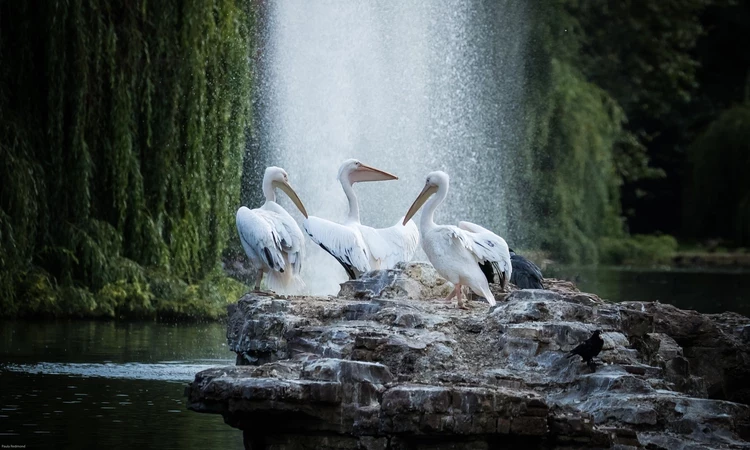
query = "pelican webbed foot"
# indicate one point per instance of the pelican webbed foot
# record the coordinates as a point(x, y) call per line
point(258, 280)
point(461, 304)
point(453, 293)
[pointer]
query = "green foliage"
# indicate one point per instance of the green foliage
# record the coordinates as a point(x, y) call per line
point(640, 52)
point(672, 66)
point(177, 299)
point(717, 196)
point(639, 249)
point(609, 90)
point(578, 183)
point(121, 134)
point(162, 296)
point(574, 129)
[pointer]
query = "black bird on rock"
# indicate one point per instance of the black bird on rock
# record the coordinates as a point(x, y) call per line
point(589, 349)
point(525, 274)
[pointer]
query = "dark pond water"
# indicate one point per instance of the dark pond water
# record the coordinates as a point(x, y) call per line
point(707, 291)
point(89, 384)
point(82, 384)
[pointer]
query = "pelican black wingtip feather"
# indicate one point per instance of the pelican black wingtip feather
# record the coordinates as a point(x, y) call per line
point(347, 267)
point(488, 270)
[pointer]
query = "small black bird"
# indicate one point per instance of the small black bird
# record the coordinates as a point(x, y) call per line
point(589, 348)
point(525, 274)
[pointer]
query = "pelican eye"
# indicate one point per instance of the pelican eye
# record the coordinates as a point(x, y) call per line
point(490, 243)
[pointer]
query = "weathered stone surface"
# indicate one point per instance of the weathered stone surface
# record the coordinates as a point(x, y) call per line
point(712, 345)
point(375, 369)
point(414, 280)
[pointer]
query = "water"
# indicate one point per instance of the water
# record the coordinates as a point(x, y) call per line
point(91, 384)
point(406, 86)
point(704, 290)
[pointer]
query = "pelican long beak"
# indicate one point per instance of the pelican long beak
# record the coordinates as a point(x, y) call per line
point(421, 198)
point(287, 188)
point(367, 173)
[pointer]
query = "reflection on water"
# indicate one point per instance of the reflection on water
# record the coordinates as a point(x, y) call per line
point(707, 291)
point(168, 371)
point(103, 384)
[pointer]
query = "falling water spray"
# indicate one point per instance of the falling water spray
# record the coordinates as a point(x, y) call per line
point(406, 86)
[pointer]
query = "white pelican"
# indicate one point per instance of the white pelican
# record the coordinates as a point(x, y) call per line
point(457, 252)
point(357, 247)
point(272, 240)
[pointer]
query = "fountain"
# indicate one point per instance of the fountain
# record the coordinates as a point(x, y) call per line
point(408, 87)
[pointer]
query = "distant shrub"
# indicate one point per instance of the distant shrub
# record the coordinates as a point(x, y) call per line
point(157, 294)
point(717, 193)
point(638, 249)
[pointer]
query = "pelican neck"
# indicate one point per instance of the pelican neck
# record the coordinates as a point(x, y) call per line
point(428, 214)
point(268, 191)
point(351, 198)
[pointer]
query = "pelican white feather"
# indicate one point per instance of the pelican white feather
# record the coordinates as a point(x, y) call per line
point(272, 240)
point(490, 248)
point(457, 252)
point(345, 243)
point(389, 246)
point(360, 248)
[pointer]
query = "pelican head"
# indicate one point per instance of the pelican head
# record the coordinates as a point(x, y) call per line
point(435, 180)
point(278, 178)
point(353, 171)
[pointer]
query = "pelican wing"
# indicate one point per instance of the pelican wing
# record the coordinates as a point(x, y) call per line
point(474, 228)
point(290, 235)
point(260, 239)
point(488, 248)
point(340, 241)
point(393, 244)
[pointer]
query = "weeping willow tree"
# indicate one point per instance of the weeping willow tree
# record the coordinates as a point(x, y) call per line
point(717, 196)
point(121, 134)
point(567, 167)
point(578, 190)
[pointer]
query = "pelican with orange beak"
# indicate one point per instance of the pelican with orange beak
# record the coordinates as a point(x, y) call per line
point(359, 248)
point(272, 240)
point(457, 252)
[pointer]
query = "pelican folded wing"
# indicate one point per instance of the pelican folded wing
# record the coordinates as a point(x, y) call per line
point(342, 242)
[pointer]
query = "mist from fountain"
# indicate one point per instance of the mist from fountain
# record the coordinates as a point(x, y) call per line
point(405, 86)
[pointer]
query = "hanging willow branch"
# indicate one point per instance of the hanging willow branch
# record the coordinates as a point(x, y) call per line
point(121, 132)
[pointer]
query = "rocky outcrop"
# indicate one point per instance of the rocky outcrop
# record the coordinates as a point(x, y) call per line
point(364, 371)
point(716, 347)
point(408, 280)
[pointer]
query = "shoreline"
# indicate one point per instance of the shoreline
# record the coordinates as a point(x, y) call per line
point(699, 260)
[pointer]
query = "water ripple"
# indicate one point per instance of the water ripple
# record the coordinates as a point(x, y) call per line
point(164, 371)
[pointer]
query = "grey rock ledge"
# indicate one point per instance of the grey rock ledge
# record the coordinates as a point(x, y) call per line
point(365, 372)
